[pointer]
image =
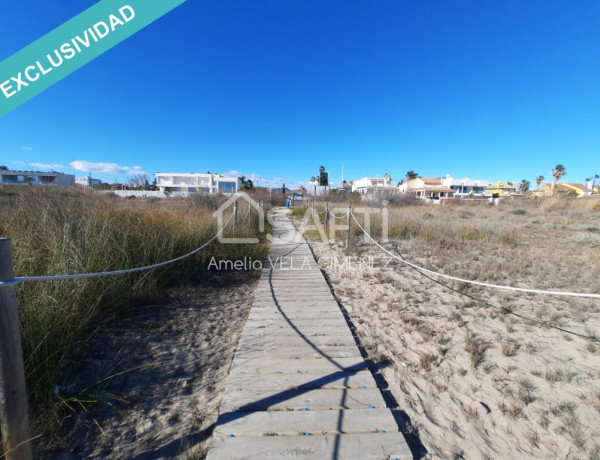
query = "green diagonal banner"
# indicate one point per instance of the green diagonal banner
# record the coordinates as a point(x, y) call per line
point(73, 44)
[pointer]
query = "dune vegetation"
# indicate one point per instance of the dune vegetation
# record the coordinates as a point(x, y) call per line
point(61, 232)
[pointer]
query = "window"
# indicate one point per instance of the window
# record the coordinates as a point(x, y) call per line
point(12, 179)
point(226, 187)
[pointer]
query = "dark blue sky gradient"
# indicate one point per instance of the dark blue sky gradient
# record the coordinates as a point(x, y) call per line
point(491, 89)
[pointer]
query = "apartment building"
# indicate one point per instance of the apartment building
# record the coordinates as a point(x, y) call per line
point(206, 183)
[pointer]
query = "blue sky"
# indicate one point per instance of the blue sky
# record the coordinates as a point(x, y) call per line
point(500, 90)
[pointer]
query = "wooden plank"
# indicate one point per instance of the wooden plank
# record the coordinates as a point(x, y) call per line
point(301, 323)
point(251, 400)
point(287, 340)
point(301, 313)
point(270, 364)
point(295, 352)
point(307, 332)
point(290, 423)
point(358, 379)
point(363, 446)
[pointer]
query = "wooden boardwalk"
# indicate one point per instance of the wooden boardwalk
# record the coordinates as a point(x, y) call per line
point(298, 386)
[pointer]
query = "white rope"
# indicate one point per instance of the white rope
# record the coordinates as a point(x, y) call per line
point(341, 217)
point(478, 283)
point(24, 279)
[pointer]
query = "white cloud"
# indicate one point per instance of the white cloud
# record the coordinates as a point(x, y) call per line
point(45, 165)
point(106, 168)
point(18, 162)
point(233, 173)
point(26, 147)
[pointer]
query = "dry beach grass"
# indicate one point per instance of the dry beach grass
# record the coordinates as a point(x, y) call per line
point(55, 231)
point(476, 380)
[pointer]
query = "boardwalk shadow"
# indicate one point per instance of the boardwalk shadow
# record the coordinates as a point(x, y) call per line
point(343, 373)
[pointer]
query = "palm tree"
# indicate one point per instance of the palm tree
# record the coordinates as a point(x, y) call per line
point(524, 186)
point(539, 180)
point(558, 171)
point(314, 181)
point(592, 180)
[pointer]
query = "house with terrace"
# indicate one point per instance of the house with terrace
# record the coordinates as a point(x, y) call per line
point(426, 188)
point(501, 189)
point(466, 187)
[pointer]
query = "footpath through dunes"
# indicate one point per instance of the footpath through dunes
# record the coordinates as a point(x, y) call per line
point(298, 386)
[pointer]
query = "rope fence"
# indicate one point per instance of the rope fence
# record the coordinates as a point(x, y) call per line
point(25, 279)
point(477, 283)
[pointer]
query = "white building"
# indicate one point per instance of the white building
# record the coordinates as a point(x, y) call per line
point(373, 184)
point(88, 181)
point(197, 183)
point(10, 177)
point(465, 186)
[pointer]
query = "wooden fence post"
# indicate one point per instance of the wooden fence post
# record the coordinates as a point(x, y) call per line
point(349, 222)
point(14, 418)
point(327, 217)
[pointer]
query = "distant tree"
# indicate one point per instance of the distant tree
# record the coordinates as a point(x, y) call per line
point(524, 186)
point(589, 179)
point(283, 189)
point(539, 180)
point(411, 175)
point(139, 181)
point(154, 185)
point(246, 184)
point(558, 171)
point(323, 178)
point(3, 168)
